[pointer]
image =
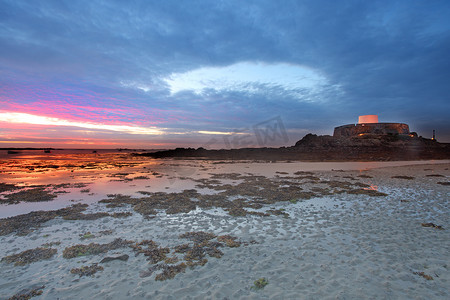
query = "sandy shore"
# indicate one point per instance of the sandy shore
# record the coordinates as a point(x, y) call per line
point(335, 246)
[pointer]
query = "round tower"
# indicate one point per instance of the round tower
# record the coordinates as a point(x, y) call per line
point(369, 125)
point(368, 119)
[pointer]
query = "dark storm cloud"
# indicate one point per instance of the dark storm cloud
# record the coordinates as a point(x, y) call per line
point(385, 57)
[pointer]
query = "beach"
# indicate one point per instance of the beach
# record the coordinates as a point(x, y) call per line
point(208, 229)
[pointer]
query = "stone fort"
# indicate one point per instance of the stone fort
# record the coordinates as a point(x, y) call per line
point(368, 125)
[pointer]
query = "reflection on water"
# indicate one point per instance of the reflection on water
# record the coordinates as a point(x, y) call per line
point(372, 187)
point(109, 172)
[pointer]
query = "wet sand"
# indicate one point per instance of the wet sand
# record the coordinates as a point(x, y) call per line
point(330, 242)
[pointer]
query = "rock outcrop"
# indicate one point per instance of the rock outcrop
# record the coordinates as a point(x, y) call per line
point(328, 148)
point(371, 129)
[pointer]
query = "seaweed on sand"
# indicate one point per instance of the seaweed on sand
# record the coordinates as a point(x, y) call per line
point(69, 185)
point(195, 255)
point(171, 260)
point(94, 248)
point(338, 184)
point(144, 192)
point(156, 254)
point(198, 236)
point(140, 178)
point(37, 194)
point(169, 271)
point(237, 211)
point(121, 214)
point(426, 276)
point(28, 294)
point(229, 240)
point(308, 177)
point(29, 256)
point(80, 216)
point(83, 250)
point(153, 252)
point(87, 270)
point(403, 177)
point(251, 192)
point(182, 248)
point(321, 191)
point(303, 173)
point(6, 187)
point(26, 223)
point(364, 176)
point(77, 215)
point(48, 245)
point(278, 212)
point(212, 249)
point(138, 246)
point(146, 209)
point(116, 200)
point(368, 192)
point(87, 235)
point(260, 283)
point(354, 188)
point(172, 203)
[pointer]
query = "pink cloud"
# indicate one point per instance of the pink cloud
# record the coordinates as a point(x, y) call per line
point(80, 105)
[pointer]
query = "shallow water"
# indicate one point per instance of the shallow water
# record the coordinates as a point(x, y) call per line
point(109, 172)
point(336, 246)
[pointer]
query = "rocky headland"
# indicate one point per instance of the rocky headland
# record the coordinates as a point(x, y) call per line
point(328, 148)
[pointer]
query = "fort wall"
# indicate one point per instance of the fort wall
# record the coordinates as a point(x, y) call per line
point(371, 128)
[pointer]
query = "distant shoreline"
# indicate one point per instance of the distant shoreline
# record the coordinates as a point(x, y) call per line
point(79, 149)
point(12, 148)
point(326, 148)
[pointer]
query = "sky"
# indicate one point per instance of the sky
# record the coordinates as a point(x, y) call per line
point(217, 74)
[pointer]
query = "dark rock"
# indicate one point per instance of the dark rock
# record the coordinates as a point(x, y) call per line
point(111, 258)
point(444, 183)
point(328, 148)
point(432, 225)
